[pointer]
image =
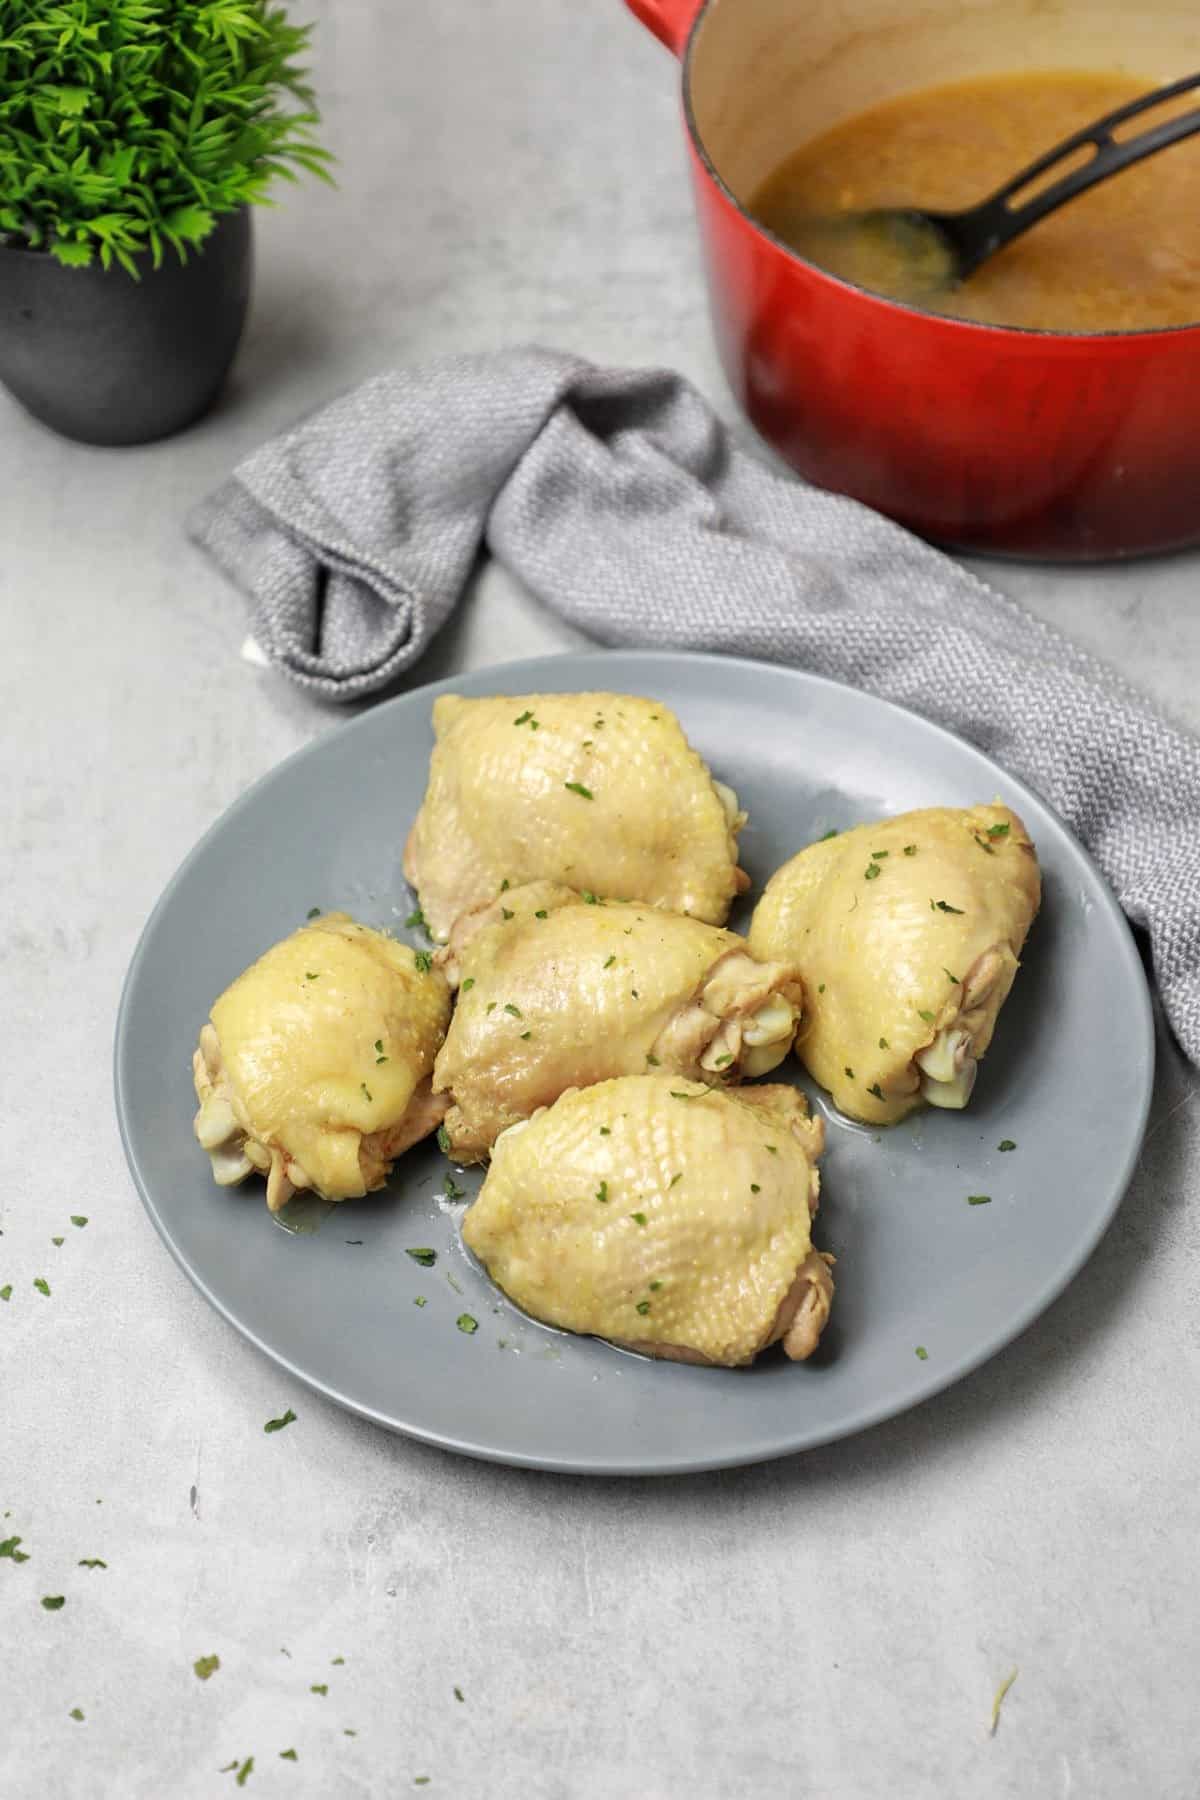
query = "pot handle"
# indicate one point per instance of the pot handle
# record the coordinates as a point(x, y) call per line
point(671, 21)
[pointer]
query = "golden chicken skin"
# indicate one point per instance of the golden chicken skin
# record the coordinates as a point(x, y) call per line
point(666, 1216)
point(600, 791)
point(908, 934)
point(315, 1067)
point(558, 991)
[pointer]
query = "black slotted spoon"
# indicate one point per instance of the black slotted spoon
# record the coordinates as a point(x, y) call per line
point(941, 249)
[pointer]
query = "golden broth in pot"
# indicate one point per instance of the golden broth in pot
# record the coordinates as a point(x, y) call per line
point(1124, 257)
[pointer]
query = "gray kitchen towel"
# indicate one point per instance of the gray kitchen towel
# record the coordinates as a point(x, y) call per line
point(617, 498)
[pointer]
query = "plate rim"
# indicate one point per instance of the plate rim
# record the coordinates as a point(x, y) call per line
point(861, 1419)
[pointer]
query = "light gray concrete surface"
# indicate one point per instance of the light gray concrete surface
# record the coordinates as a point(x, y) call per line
point(834, 1626)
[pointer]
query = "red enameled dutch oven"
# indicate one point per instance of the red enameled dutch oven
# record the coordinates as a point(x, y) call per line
point(1024, 443)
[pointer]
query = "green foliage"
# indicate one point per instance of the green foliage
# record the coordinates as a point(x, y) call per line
point(127, 125)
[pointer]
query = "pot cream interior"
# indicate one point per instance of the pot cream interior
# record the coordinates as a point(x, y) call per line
point(766, 75)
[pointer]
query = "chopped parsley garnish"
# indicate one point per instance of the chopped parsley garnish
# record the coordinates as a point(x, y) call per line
point(609, 961)
point(416, 921)
point(602, 1193)
point(639, 1218)
point(877, 1091)
point(206, 1666)
point(984, 845)
point(54, 1602)
point(420, 1300)
point(997, 831)
point(8, 1547)
point(506, 912)
point(314, 912)
point(1006, 1144)
point(643, 1306)
point(878, 855)
point(605, 1131)
point(910, 849)
point(378, 1046)
point(42, 1286)
point(91, 1562)
point(244, 1772)
point(541, 913)
point(826, 835)
point(577, 787)
point(922, 1353)
point(6, 1291)
point(443, 1138)
point(424, 1256)
point(675, 1178)
point(423, 961)
point(514, 1010)
point(871, 872)
point(505, 885)
point(676, 1094)
point(312, 975)
point(654, 1286)
point(883, 1043)
point(458, 1694)
point(949, 977)
point(588, 898)
point(451, 1188)
point(979, 1199)
point(58, 1242)
point(287, 1418)
point(318, 1687)
point(773, 1148)
point(849, 1072)
point(75, 1713)
point(927, 1016)
point(652, 1060)
point(366, 1092)
point(722, 1060)
point(491, 1006)
point(821, 988)
point(634, 992)
point(467, 1324)
point(524, 718)
point(466, 986)
point(289, 1756)
point(754, 1188)
point(945, 906)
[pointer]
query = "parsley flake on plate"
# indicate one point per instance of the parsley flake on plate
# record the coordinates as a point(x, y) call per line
point(425, 1257)
point(577, 787)
point(287, 1418)
point(206, 1666)
point(54, 1602)
point(466, 1323)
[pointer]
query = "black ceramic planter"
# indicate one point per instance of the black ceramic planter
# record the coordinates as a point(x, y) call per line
point(109, 360)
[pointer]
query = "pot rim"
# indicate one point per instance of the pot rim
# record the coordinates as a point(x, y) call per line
point(979, 327)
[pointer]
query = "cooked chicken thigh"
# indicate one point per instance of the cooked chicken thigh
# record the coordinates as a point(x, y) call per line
point(315, 1067)
point(666, 1216)
point(908, 934)
point(556, 992)
point(601, 791)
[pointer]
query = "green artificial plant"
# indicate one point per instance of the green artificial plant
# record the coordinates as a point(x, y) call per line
point(130, 125)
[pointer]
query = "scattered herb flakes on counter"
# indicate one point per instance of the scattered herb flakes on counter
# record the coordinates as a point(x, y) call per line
point(922, 1353)
point(206, 1666)
point(91, 1562)
point(42, 1286)
point(319, 1687)
point(1006, 1144)
point(8, 1547)
point(467, 1324)
point(979, 1199)
point(54, 1602)
point(998, 1701)
point(287, 1418)
point(79, 1219)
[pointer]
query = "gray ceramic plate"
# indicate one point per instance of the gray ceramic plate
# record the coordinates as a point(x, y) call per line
point(916, 1264)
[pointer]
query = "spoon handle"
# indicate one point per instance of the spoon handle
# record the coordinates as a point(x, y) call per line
point(986, 227)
